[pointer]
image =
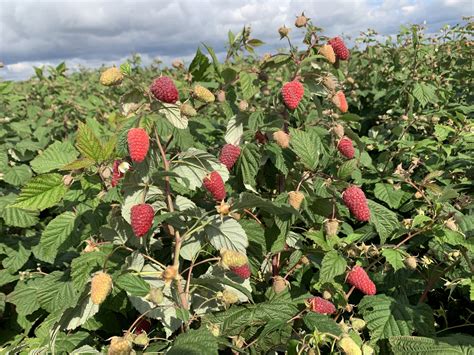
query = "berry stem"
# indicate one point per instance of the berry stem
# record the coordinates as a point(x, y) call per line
point(177, 236)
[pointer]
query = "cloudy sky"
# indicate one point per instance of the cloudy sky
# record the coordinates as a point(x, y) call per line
point(91, 33)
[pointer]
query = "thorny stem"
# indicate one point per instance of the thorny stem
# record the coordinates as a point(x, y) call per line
point(177, 236)
point(147, 257)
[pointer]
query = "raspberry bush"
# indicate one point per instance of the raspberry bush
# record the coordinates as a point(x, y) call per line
point(313, 200)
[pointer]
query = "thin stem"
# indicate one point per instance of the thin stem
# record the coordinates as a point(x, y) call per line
point(147, 257)
point(253, 216)
point(454, 327)
point(199, 263)
point(177, 237)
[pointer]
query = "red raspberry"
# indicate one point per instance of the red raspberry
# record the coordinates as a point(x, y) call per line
point(346, 148)
point(138, 144)
point(354, 199)
point(339, 99)
point(339, 47)
point(292, 93)
point(215, 185)
point(320, 305)
point(142, 219)
point(229, 155)
point(242, 271)
point(116, 173)
point(163, 89)
point(358, 278)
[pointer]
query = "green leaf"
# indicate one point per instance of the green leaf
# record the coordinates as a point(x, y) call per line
point(88, 144)
point(133, 284)
point(394, 257)
point(425, 93)
point(81, 163)
point(173, 115)
point(194, 165)
point(226, 234)
point(346, 169)
point(234, 131)
point(246, 83)
point(194, 342)
point(385, 221)
point(248, 165)
point(17, 175)
point(54, 157)
point(77, 316)
point(41, 192)
point(456, 344)
point(333, 264)
point(307, 146)
point(321, 323)
point(388, 194)
point(57, 292)
point(18, 217)
point(386, 317)
point(199, 67)
point(55, 236)
point(83, 265)
point(24, 297)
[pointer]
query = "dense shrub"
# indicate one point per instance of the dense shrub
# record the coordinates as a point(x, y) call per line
point(317, 247)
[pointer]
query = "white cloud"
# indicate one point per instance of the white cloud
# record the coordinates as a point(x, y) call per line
point(104, 31)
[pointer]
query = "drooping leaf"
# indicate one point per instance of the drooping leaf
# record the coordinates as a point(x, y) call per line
point(41, 192)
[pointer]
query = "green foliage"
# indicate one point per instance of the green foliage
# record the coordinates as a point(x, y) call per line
point(67, 187)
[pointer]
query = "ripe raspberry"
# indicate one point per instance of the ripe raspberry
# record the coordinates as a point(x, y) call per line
point(339, 100)
point(116, 173)
point(328, 53)
point(320, 305)
point(354, 199)
point(282, 139)
point(339, 47)
point(358, 278)
point(215, 185)
point(346, 148)
point(331, 227)
point(119, 346)
point(203, 94)
point(110, 77)
point(138, 144)
point(292, 93)
point(141, 219)
point(232, 258)
point(242, 271)
point(295, 199)
point(101, 285)
point(229, 155)
point(163, 89)
point(349, 346)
